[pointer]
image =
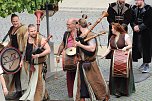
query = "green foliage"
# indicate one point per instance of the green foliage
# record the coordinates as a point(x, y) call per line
point(8, 7)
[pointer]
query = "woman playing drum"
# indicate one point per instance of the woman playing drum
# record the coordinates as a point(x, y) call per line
point(121, 83)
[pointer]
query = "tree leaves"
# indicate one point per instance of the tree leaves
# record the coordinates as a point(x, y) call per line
point(8, 7)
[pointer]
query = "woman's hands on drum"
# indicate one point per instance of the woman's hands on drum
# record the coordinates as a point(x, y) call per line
point(57, 59)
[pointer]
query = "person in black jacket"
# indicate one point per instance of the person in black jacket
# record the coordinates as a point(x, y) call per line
point(119, 12)
point(142, 33)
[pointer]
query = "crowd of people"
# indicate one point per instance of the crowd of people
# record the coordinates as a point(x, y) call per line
point(85, 80)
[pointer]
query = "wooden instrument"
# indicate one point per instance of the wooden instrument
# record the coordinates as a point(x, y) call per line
point(94, 36)
point(38, 14)
point(104, 14)
point(121, 64)
point(69, 62)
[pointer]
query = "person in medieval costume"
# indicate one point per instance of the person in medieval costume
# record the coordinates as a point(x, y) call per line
point(142, 34)
point(35, 62)
point(18, 81)
point(119, 12)
point(120, 85)
point(68, 41)
point(3, 88)
point(89, 82)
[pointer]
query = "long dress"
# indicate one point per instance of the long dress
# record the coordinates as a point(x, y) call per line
point(121, 85)
point(17, 81)
point(89, 82)
point(36, 87)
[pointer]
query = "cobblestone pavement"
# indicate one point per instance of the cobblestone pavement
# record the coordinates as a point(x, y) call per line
point(58, 91)
point(57, 87)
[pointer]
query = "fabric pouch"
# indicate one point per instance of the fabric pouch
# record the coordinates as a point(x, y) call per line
point(86, 65)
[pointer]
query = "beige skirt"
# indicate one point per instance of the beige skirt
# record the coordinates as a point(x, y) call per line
point(36, 87)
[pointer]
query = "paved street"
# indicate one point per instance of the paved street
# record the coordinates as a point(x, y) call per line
point(75, 8)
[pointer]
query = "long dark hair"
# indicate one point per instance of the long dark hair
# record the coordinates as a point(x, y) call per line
point(119, 28)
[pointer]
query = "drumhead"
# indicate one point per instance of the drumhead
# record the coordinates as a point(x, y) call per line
point(70, 51)
point(10, 60)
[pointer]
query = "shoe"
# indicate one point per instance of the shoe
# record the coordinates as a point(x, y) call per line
point(118, 95)
point(146, 69)
point(142, 66)
point(14, 96)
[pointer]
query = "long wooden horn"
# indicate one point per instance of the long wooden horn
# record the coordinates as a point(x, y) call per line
point(94, 36)
point(104, 14)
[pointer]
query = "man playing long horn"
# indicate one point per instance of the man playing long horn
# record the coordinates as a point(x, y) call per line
point(89, 82)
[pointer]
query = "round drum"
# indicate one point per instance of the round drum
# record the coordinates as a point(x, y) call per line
point(69, 62)
point(121, 65)
point(10, 59)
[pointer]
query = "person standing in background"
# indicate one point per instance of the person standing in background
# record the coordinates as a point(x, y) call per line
point(141, 24)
